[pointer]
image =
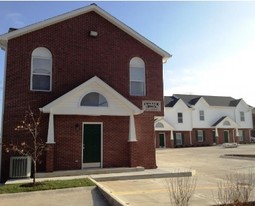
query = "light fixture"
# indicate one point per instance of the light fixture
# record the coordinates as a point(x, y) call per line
point(93, 33)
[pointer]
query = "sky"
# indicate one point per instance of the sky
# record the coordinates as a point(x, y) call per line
point(212, 43)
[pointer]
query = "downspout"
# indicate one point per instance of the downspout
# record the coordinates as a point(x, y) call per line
point(2, 115)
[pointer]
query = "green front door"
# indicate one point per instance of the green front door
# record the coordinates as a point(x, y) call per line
point(161, 140)
point(226, 136)
point(92, 145)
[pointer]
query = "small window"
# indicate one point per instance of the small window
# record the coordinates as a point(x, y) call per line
point(94, 99)
point(159, 125)
point(178, 137)
point(137, 77)
point(41, 69)
point(200, 135)
point(180, 117)
point(242, 118)
point(201, 115)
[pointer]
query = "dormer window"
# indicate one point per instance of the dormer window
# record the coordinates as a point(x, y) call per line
point(41, 69)
point(94, 99)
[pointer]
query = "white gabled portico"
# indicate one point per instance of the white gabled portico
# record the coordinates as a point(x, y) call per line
point(225, 122)
point(70, 104)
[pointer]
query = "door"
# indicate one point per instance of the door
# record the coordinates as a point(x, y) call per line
point(161, 140)
point(226, 136)
point(92, 145)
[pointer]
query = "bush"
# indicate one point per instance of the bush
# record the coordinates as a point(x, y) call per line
point(235, 189)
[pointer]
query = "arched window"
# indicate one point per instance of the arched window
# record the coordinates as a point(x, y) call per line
point(159, 125)
point(226, 123)
point(137, 77)
point(94, 99)
point(41, 69)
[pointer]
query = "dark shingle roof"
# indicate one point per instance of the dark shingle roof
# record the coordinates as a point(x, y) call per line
point(217, 122)
point(170, 101)
point(211, 100)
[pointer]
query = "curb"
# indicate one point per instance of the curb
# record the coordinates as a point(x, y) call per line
point(112, 200)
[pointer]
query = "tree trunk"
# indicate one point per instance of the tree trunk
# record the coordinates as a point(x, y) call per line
point(34, 161)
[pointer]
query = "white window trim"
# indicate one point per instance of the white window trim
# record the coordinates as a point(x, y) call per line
point(200, 135)
point(179, 118)
point(137, 81)
point(180, 138)
point(201, 115)
point(242, 116)
point(41, 74)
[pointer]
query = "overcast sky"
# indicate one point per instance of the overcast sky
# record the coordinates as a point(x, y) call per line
point(212, 43)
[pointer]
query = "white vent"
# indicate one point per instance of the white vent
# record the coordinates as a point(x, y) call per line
point(20, 167)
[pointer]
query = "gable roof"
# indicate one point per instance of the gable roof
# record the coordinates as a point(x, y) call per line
point(69, 103)
point(33, 27)
point(221, 123)
point(166, 126)
point(211, 100)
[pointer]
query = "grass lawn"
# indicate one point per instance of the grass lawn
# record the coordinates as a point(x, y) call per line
point(46, 185)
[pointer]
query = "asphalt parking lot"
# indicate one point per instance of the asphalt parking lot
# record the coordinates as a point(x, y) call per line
point(206, 161)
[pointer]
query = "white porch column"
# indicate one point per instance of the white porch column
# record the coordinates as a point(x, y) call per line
point(237, 132)
point(216, 132)
point(50, 138)
point(172, 134)
point(132, 132)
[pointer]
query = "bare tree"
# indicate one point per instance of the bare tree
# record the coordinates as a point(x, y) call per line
point(235, 189)
point(34, 149)
point(180, 190)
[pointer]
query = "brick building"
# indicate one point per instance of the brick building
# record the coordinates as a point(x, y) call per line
point(197, 120)
point(94, 80)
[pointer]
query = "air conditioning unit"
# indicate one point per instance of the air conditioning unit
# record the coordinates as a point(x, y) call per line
point(20, 166)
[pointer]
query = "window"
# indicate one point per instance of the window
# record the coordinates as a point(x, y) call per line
point(242, 119)
point(159, 125)
point(178, 137)
point(137, 77)
point(41, 69)
point(201, 115)
point(200, 135)
point(180, 118)
point(241, 135)
point(226, 123)
point(94, 99)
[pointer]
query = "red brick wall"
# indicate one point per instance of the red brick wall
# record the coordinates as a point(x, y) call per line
point(68, 147)
point(208, 137)
point(78, 57)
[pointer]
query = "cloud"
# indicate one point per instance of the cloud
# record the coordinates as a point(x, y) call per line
point(232, 76)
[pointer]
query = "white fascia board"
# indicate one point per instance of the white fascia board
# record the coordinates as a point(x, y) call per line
point(5, 37)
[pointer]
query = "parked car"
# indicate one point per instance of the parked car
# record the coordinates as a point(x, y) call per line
point(252, 139)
